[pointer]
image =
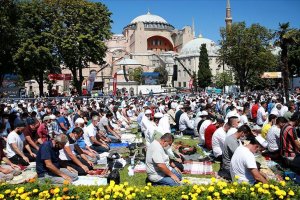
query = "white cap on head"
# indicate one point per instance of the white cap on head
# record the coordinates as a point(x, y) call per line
point(147, 112)
point(204, 113)
point(52, 116)
point(79, 121)
point(158, 115)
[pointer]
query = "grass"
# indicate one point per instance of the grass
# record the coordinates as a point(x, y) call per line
point(139, 178)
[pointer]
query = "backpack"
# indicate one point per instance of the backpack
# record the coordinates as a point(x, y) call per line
point(114, 176)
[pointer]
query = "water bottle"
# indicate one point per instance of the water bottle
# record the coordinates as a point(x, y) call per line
point(132, 161)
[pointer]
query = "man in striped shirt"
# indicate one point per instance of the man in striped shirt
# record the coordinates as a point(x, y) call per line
point(289, 143)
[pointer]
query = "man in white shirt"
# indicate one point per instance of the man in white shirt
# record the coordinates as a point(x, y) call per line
point(233, 123)
point(243, 163)
point(273, 135)
point(202, 129)
point(186, 125)
point(218, 140)
point(90, 137)
point(261, 114)
point(159, 169)
point(15, 145)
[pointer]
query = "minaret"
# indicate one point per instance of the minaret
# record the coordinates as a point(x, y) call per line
point(193, 27)
point(228, 18)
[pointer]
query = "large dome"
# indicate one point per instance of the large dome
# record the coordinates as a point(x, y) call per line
point(192, 48)
point(149, 18)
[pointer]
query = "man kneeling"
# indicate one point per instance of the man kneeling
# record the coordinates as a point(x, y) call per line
point(159, 169)
point(47, 161)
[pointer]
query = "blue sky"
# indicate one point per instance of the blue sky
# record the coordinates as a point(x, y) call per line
point(208, 15)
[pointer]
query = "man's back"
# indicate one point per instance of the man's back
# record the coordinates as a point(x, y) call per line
point(218, 140)
point(230, 145)
point(288, 136)
point(155, 154)
point(242, 161)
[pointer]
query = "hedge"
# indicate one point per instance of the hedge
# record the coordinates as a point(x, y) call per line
point(216, 190)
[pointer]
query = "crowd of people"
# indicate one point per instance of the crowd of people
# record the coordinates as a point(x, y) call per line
point(65, 137)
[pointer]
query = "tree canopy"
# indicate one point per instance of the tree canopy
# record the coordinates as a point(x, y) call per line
point(163, 75)
point(204, 71)
point(9, 15)
point(247, 51)
point(136, 74)
point(80, 29)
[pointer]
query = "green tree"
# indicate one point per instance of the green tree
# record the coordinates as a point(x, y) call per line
point(36, 55)
point(80, 29)
point(222, 79)
point(286, 38)
point(9, 15)
point(163, 75)
point(136, 74)
point(247, 51)
point(204, 72)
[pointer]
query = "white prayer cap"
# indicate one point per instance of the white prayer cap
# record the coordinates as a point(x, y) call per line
point(79, 121)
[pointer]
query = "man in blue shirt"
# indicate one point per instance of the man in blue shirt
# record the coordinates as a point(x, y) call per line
point(64, 122)
point(47, 162)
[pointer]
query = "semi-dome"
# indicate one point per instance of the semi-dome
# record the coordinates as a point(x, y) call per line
point(149, 18)
point(192, 48)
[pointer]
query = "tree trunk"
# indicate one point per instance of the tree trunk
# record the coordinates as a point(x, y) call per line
point(81, 78)
point(242, 85)
point(41, 83)
point(76, 81)
point(285, 70)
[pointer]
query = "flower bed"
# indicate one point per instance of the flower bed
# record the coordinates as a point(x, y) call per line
point(215, 190)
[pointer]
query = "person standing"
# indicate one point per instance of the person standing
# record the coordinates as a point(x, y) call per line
point(261, 114)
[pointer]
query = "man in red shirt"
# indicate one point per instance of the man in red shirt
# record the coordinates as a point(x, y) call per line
point(209, 131)
point(254, 110)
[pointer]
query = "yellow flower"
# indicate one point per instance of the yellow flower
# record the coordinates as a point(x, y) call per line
point(281, 197)
point(107, 196)
point(149, 184)
point(125, 183)
point(291, 193)
point(213, 179)
point(56, 191)
point(287, 178)
point(7, 191)
point(260, 190)
point(225, 191)
point(1, 196)
point(236, 177)
point(21, 190)
point(208, 198)
point(251, 189)
point(35, 190)
point(148, 196)
point(211, 188)
point(184, 196)
point(266, 186)
point(235, 183)
point(93, 193)
point(282, 183)
point(23, 196)
point(216, 194)
point(252, 194)
point(129, 196)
